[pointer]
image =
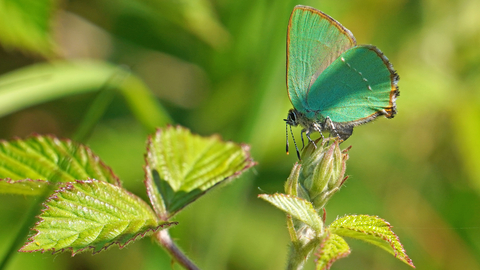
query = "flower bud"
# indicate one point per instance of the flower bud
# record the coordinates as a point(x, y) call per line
point(322, 172)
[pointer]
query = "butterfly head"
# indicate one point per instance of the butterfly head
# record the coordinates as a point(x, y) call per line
point(292, 118)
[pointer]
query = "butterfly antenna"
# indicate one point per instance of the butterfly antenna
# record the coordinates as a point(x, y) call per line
point(294, 142)
point(286, 135)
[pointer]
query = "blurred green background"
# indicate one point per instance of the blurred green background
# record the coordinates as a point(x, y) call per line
point(108, 72)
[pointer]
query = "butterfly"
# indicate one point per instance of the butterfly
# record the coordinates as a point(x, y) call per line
point(333, 84)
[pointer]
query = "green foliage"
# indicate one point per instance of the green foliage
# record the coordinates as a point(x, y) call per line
point(419, 171)
point(181, 167)
point(373, 230)
point(44, 82)
point(297, 208)
point(196, 16)
point(332, 248)
point(27, 25)
point(23, 187)
point(91, 214)
point(50, 159)
point(320, 174)
point(90, 209)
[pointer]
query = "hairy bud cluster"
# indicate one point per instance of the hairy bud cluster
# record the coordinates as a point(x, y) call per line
point(320, 174)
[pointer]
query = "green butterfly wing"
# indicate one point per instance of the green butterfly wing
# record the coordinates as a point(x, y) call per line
point(358, 86)
point(314, 41)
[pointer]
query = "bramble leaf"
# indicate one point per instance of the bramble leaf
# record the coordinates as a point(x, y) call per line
point(181, 167)
point(332, 248)
point(23, 187)
point(49, 159)
point(373, 230)
point(298, 208)
point(91, 214)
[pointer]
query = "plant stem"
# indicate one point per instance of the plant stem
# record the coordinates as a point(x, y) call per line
point(165, 240)
point(299, 254)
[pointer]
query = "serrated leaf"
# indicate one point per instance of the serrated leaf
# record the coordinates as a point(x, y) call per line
point(44, 82)
point(332, 248)
point(181, 167)
point(373, 230)
point(298, 208)
point(23, 187)
point(91, 214)
point(26, 25)
point(51, 159)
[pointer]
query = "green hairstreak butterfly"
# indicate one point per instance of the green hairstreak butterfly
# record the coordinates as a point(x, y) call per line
point(333, 84)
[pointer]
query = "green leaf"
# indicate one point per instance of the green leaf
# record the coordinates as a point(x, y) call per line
point(26, 25)
point(91, 214)
point(23, 187)
point(50, 159)
point(332, 248)
point(373, 230)
point(181, 167)
point(299, 208)
point(44, 82)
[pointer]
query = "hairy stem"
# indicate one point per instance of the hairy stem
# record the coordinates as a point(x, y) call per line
point(165, 240)
point(299, 254)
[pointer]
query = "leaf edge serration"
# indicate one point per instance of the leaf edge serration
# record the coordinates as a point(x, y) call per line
point(69, 185)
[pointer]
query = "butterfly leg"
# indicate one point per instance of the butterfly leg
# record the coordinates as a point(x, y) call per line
point(343, 132)
point(331, 127)
point(318, 127)
point(301, 136)
point(307, 133)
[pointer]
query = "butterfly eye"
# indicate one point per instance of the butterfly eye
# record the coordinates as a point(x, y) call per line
point(291, 118)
